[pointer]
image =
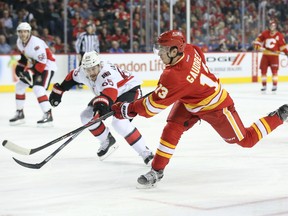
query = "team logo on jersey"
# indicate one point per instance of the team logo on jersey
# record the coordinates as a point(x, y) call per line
point(36, 48)
point(76, 71)
point(41, 57)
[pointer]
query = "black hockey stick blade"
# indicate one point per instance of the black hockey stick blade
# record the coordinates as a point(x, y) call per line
point(31, 166)
point(26, 151)
point(39, 165)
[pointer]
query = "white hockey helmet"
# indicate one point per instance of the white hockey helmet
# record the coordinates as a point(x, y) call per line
point(90, 59)
point(24, 26)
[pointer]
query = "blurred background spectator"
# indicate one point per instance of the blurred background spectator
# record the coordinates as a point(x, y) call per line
point(115, 47)
point(222, 25)
point(5, 48)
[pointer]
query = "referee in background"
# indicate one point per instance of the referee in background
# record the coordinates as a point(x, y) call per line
point(87, 41)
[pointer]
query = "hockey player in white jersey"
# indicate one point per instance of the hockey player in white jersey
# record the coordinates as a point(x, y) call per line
point(110, 84)
point(35, 70)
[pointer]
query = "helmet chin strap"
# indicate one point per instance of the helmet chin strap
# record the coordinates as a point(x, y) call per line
point(171, 58)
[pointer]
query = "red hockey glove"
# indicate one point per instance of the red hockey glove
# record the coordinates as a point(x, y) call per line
point(123, 110)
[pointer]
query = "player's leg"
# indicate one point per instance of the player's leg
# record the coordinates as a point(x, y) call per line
point(102, 133)
point(263, 68)
point(230, 127)
point(20, 97)
point(133, 137)
point(41, 84)
point(274, 64)
point(126, 129)
point(178, 121)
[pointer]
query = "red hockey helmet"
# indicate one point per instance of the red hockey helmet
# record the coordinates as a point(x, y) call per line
point(172, 38)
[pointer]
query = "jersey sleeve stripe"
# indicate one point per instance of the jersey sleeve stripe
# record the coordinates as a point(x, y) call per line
point(149, 108)
point(154, 104)
point(209, 103)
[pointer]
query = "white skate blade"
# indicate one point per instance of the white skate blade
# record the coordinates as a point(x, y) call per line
point(45, 125)
point(148, 186)
point(18, 122)
point(109, 152)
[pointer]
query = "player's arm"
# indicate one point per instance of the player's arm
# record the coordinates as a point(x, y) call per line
point(150, 105)
point(58, 89)
point(109, 92)
point(21, 64)
point(24, 75)
point(258, 45)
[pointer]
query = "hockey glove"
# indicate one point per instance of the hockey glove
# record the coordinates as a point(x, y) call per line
point(19, 69)
point(101, 104)
point(56, 95)
point(123, 110)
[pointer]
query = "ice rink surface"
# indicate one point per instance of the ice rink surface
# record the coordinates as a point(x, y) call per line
point(205, 177)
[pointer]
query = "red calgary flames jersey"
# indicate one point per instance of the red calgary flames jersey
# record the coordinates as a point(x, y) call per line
point(189, 81)
point(274, 43)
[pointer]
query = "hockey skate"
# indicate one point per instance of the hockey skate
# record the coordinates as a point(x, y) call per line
point(150, 179)
point(46, 120)
point(274, 88)
point(282, 112)
point(147, 156)
point(263, 89)
point(18, 119)
point(107, 147)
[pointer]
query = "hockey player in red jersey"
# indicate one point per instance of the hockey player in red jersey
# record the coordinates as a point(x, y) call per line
point(35, 70)
point(110, 84)
point(196, 94)
point(270, 42)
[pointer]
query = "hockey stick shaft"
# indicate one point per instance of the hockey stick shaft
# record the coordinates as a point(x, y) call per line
point(24, 151)
point(39, 165)
point(273, 52)
point(73, 136)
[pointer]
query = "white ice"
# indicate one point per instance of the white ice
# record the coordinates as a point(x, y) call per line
point(206, 176)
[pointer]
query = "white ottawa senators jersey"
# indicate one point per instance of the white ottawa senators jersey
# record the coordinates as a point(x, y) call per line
point(110, 76)
point(37, 50)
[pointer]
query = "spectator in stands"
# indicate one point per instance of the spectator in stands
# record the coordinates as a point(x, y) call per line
point(222, 16)
point(136, 47)
point(120, 37)
point(58, 45)
point(55, 24)
point(7, 21)
point(115, 48)
point(85, 11)
point(222, 46)
point(77, 30)
point(105, 39)
point(47, 37)
point(5, 48)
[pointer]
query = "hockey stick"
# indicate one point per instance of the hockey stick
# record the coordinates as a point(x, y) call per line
point(24, 151)
point(273, 52)
point(39, 165)
point(73, 136)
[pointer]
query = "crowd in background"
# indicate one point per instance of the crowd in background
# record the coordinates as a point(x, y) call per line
point(111, 19)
